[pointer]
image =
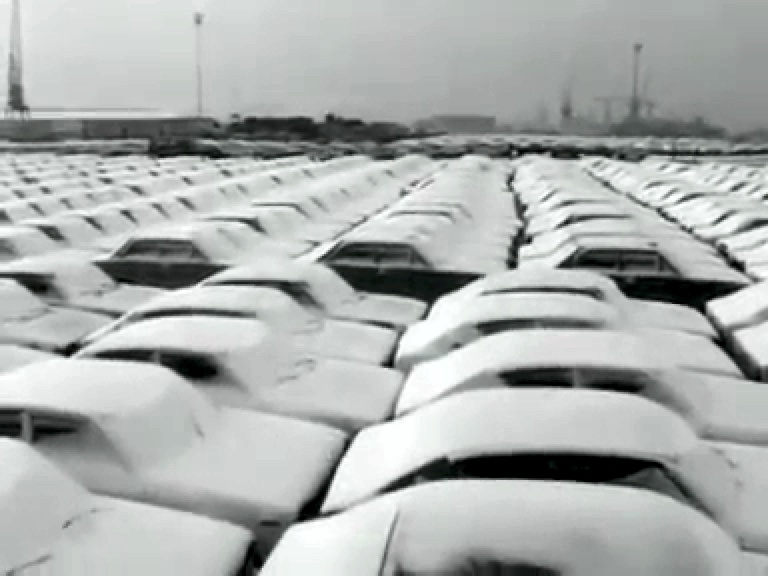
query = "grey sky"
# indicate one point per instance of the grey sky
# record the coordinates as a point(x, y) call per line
point(397, 59)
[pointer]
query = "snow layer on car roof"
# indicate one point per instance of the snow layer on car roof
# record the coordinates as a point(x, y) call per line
point(569, 528)
point(129, 401)
point(86, 387)
point(544, 277)
point(528, 305)
point(532, 348)
point(197, 334)
point(244, 299)
point(489, 422)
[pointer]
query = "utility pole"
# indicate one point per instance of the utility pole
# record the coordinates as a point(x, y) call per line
point(16, 103)
point(199, 18)
point(634, 102)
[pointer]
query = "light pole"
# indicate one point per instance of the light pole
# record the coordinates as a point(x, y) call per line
point(199, 17)
point(634, 103)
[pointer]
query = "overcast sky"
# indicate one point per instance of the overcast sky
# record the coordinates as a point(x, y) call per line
point(397, 59)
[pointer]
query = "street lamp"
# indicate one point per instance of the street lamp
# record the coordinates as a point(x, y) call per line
point(199, 17)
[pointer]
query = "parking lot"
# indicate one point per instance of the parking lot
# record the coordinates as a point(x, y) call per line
point(356, 367)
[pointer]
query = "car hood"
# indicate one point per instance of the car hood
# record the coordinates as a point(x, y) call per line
point(116, 302)
point(347, 395)
point(122, 538)
point(55, 331)
point(671, 316)
point(256, 467)
point(350, 341)
point(750, 464)
point(382, 309)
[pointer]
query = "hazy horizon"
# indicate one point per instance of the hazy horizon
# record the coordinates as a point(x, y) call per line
point(397, 59)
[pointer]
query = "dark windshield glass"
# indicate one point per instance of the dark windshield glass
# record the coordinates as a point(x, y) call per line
point(584, 468)
point(162, 250)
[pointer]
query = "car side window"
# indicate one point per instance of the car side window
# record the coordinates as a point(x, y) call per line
point(639, 261)
point(41, 287)
point(667, 268)
point(48, 426)
point(10, 424)
point(539, 378)
point(53, 233)
point(611, 380)
point(162, 250)
point(379, 255)
point(497, 326)
point(597, 259)
point(190, 366)
point(126, 355)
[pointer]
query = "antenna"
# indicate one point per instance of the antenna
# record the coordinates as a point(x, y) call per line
point(16, 103)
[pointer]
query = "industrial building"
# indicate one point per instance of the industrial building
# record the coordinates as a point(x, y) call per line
point(107, 124)
point(458, 124)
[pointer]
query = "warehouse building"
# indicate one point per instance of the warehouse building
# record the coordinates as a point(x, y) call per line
point(104, 125)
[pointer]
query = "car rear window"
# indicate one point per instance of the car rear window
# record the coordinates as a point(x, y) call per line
point(598, 259)
point(382, 255)
point(539, 378)
point(162, 250)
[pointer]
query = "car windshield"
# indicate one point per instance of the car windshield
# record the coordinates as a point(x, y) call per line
point(160, 249)
point(563, 467)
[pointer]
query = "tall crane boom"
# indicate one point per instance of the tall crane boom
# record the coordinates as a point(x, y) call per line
point(16, 103)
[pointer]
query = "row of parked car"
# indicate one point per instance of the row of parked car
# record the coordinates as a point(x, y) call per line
point(724, 208)
point(233, 399)
point(536, 421)
point(574, 220)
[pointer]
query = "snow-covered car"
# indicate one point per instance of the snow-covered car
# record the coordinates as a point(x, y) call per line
point(319, 288)
point(27, 320)
point(136, 431)
point(503, 312)
point(562, 435)
point(579, 282)
point(539, 434)
point(558, 218)
point(308, 331)
point(52, 525)
point(69, 281)
point(511, 527)
point(719, 406)
point(638, 257)
point(246, 364)
point(175, 256)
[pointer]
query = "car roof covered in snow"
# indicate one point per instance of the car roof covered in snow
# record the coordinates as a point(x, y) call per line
point(508, 422)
